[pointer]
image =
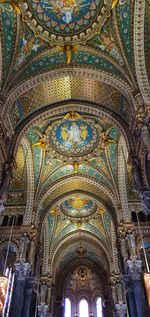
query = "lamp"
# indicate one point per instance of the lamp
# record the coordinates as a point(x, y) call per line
point(6, 282)
point(146, 274)
point(147, 285)
point(3, 291)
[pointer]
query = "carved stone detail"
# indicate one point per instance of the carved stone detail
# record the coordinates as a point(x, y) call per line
point(22, 271)
point(134, 269)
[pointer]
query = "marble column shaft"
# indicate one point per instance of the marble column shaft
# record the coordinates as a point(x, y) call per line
point(27, 296)
point(22, 272)
point(134, 270)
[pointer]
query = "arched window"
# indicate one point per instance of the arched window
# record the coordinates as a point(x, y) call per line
point(99, 312)
point(83, 308)
point(67, 307)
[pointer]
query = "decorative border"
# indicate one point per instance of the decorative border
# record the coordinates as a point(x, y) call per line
point(122, 185)
point(139, 55)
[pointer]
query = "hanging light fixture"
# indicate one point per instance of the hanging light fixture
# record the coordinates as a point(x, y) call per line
point(5, 280)
point(147, 285)
point(146, 274)
point(3, 291)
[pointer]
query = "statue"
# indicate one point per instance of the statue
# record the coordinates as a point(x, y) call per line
point(31, 256)
point(145, 134)
point(137, 174)
point(131, 245)
point(24, 242)
point(119, 290)
point(43, 294)
point(145, 201)
point(4, 186)
point(123, 248)
point(114, 294)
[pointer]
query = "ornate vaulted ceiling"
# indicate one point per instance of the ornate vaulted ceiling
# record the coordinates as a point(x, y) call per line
point(72, 77)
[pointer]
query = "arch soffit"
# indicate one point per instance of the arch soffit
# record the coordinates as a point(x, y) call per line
point(91, 193)
point(85, 107)
point(77, 182)
point(119, 84)
point(71, 239)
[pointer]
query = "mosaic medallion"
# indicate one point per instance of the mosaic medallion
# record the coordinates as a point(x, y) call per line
point(74, 137)
point(65, 21)
point(78, 206)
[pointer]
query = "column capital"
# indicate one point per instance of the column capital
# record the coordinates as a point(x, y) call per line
point(22, 270)
point(115, 278)
point(46, 280)
point(121, 309)
point(134, 269)
point(43, 310)
point(125, 227)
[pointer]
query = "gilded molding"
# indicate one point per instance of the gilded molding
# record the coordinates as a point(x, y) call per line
point(139, 55)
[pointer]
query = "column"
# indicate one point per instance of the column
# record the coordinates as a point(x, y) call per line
point(28, 296)
point(121, 309)
point(130, 297)
point(134, 270)
point(58, 311)
point(43, 311)
point(22, 271)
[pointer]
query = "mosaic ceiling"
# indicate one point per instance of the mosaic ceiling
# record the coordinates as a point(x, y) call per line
point(71, 50)
point(40, 36)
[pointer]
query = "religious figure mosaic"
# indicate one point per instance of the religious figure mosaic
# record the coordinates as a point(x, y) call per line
point(78, 206)
point(56, 19)
point(74, 137)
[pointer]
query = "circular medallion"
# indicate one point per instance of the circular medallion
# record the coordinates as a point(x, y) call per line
point(78, 206)
point(65, 21)
point(74, 138)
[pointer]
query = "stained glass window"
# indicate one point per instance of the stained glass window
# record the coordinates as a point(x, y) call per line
point(83, 308)
point(67, 307)
point(99, 312)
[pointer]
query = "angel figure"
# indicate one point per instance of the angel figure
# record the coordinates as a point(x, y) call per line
point(68, 50)
point(79, 224)
point(114, 3)
point(106, 140)
point(76, 167)
point(14, 4)
point(41, 143)
point(84, 132)
point(55, 211)
point(101, 210)
point(72, 115)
